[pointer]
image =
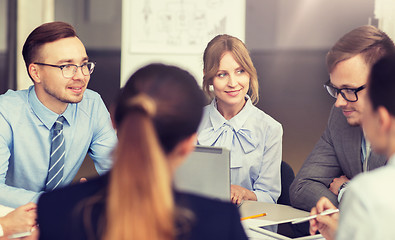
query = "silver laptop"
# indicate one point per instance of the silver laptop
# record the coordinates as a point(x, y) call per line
point(205, 172)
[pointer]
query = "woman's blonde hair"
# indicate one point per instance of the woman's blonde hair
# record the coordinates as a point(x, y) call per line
point(213, 54)
point(159, 106)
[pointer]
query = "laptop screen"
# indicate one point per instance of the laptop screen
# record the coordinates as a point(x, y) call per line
point(205, 172)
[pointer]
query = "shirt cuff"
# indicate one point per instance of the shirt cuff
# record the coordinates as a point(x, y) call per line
point(341, 192)
point(263, 197)
point(1, 231)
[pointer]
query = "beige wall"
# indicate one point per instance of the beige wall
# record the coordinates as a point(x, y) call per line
point(302, 24)
point(288, 41)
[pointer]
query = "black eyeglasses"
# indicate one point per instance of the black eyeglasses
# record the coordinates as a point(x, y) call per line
point(349, 94)
point(69, 70)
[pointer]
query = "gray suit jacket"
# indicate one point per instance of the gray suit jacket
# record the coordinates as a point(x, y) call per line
point(337, 153)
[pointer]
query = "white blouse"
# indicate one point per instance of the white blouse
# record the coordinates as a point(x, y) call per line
point(255, 143)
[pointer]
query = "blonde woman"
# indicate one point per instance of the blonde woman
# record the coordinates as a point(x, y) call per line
point(156, 115)
point(232, 121)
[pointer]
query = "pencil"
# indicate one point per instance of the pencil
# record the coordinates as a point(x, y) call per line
point(253, 216)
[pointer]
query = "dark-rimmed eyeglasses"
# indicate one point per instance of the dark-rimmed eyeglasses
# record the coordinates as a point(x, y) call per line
point(349, 94)
point(69, 70)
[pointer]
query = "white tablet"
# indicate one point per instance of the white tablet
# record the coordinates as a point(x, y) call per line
point(283, 230)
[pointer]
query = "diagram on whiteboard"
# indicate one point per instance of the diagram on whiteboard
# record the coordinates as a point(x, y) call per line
point(183, 26)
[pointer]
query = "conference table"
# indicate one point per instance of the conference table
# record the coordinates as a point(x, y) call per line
point(274, 213)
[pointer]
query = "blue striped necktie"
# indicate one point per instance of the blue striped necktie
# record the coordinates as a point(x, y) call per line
point(56, 163)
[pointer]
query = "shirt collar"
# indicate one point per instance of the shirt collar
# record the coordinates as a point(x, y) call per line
point(46, 116)
point(217, 120)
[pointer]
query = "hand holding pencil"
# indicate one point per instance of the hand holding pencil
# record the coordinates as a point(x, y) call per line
point(325, 224)
point(305, 219)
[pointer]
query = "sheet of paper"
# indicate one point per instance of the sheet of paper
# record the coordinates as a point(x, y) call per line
point(4, 210)
point(253, 235)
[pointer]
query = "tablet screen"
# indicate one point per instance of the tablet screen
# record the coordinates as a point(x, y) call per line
point(289, 230)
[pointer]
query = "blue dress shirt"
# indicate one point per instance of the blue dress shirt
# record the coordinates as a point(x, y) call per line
point(25, 141)
point(255, 143)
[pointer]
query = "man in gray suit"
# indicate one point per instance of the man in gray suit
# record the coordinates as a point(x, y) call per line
point(342, 151)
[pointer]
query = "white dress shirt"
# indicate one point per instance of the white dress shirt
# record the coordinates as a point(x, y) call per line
point(367, 210)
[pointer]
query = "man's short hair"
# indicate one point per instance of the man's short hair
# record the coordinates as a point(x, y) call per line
point(45, 33)
point(367, 40)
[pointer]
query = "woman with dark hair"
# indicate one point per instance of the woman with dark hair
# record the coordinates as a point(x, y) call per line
point(156, 117)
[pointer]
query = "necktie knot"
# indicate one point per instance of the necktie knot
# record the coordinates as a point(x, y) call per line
point(58, 125)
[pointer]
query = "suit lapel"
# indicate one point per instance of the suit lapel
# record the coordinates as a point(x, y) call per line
point(352, 137)
point(351, 140)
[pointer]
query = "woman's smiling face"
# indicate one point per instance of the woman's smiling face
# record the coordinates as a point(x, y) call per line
point(231, 84)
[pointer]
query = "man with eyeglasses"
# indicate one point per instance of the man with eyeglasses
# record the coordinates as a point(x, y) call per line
point(47, 130)
point(342, 152)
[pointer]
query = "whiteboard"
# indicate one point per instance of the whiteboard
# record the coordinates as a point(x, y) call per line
point(175, 31)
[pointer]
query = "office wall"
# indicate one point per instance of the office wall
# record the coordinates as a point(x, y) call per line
point(3, 25)
point(98, 22)
point(175, 32)
point(3, 45)
point(302, 24)
point(287, 40)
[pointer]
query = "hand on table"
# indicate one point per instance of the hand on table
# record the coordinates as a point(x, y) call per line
point(326, 225)
point(22, 219)
point(238, 194)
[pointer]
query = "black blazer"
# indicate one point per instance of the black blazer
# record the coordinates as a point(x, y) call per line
point(63, 214)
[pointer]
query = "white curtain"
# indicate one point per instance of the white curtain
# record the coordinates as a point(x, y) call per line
point(384, 11)
point(30, 14)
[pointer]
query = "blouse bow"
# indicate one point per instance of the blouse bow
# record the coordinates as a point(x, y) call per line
point(226, 136)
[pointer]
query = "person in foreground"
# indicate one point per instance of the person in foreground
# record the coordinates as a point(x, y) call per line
point(342, 152)
point(156, 117)
point(368, 210)
point(48, 129)
point(233, 122)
